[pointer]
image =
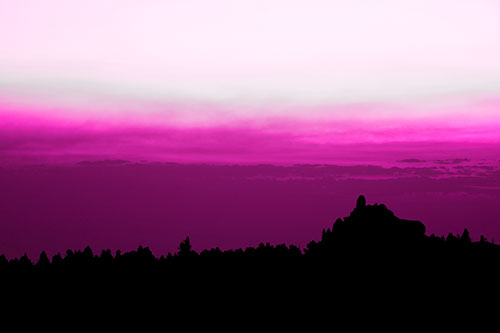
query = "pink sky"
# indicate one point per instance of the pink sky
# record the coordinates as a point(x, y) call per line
point(306, 73)
point(285, 52)
point(400, 97)
point(326, 134)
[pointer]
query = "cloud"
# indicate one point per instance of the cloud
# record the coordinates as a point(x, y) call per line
point(412, 160)
point(41, 138)
point(452, 161)
point(348, 51)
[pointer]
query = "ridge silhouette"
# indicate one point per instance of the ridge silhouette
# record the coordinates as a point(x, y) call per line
point(369, 257)
point(369, 251)
point(368, 230)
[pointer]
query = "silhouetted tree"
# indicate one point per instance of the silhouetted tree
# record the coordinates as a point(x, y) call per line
point(43, 260)
point(57, 259)
point(87, 255)
point(25, 261)
point(451, 239)
point(185, 248)
point(465, 238)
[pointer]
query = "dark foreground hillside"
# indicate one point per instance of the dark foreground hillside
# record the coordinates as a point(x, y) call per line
point(370, 255)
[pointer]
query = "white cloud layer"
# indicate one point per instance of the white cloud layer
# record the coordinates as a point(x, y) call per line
point(261, 51)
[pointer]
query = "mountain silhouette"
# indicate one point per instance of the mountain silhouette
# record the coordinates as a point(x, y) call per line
point(368, 250)
point(370, 255)
point(368, 230)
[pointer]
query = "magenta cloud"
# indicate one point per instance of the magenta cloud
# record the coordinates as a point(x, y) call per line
point(41, 135)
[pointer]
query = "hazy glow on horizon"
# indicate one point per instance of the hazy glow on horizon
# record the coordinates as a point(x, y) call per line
point(66, 53)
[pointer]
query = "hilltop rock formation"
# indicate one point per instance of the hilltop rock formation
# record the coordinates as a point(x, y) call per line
point(373, 225)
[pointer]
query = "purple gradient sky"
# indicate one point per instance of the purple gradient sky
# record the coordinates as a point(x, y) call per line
point(399, 98)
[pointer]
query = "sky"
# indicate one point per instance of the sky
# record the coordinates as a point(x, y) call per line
point(412, 84)
point(327, 72)
point(263, 55)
